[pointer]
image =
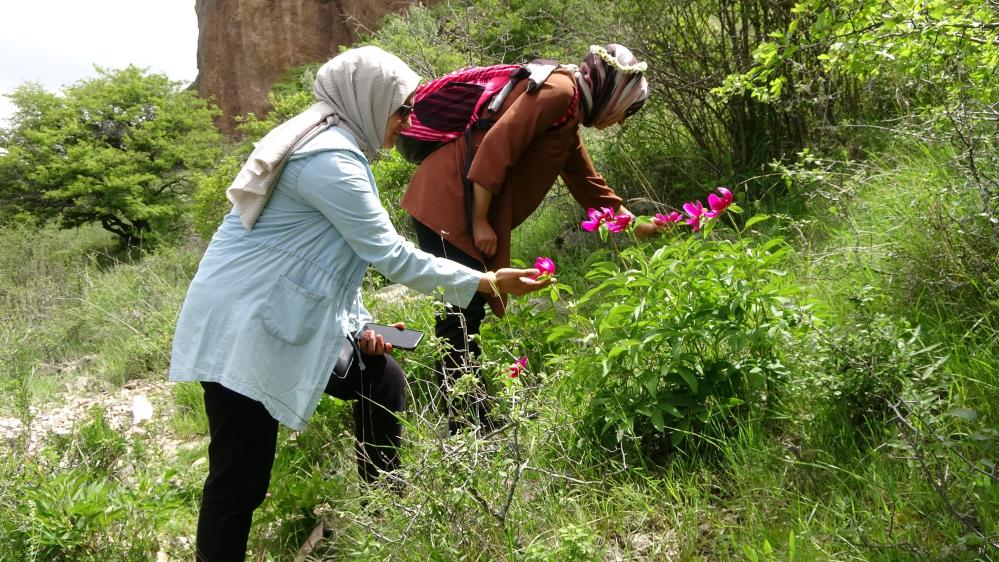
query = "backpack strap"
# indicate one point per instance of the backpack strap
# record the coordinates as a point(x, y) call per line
point(500, 97)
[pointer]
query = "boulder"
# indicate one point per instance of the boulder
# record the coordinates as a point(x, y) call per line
point(245, 46)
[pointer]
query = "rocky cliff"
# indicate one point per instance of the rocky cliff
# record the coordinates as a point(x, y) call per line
point(244, 46)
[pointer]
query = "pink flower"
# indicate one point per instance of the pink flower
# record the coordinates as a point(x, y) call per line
point(619, 223)
point(694, 210)
point(672, 218)
point(596, 218)
point(518, 367)
point(545, 265)
point(719, 204)
point(590, 225)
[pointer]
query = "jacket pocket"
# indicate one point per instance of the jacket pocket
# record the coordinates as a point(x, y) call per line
point(292, 313)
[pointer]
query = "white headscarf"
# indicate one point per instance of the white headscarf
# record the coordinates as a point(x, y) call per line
point(358, 90)
point(365, 86)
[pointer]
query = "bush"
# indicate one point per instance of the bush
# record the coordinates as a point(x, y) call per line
point(676, 336)
point(210, 202)
point(864, 366)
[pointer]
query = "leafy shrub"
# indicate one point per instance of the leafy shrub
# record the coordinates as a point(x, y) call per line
point(674, 336)
point(75, 515)
point(392, 173)
point(690, 48)
point(210, 201)
point(451, 35)
point(863, 367)
point(97, 445)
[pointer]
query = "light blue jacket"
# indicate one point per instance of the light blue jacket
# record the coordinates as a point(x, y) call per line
point(268, 309)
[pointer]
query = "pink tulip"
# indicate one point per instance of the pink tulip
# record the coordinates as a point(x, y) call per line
point(545, 265)
point(518, 367)
point(694, 210)
point(719, 204)
point(672, 218)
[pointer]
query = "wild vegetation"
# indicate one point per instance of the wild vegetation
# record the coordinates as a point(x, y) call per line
point(810, 374)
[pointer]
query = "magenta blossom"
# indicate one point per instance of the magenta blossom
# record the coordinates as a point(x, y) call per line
point(619, 223)
point(719, 204)
point(546, 267)
point(596, 218)
point(695, 210)
point(672, 218)
point(518, 367)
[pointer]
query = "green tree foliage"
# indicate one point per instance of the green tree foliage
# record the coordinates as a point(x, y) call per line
point(934, 59)
point(691, 47)
point(453, 35)
point(118, 149)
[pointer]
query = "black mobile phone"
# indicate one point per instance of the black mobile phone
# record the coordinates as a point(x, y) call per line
point(400, 339)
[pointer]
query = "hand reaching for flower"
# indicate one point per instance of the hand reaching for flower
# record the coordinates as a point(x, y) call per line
point(514, 281)
point(645, 229)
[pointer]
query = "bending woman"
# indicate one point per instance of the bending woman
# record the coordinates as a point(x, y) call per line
point(535, 139)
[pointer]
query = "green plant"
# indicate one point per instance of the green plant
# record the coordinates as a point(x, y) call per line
point(189, 418)
point(674, 336)
point(863, 367)
point(392, 173)
point(98, 446)
point(571, 543)
point(77, 515)
point(210, 201)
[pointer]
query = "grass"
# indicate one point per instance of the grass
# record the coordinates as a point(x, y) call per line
point(801, 481)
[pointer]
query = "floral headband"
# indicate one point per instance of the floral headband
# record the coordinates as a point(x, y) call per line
point(612, 60)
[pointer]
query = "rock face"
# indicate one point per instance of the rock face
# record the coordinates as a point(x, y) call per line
point(244, 46)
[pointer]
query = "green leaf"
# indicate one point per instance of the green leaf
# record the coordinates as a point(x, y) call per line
point(671, 410)
point(688, 377)
point(756, 219)
point(657, 421)
point(562, 333)
point(652, 385)
point(963, 413)
point(621, 348)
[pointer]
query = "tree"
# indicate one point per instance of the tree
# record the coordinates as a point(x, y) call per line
point(119, 149)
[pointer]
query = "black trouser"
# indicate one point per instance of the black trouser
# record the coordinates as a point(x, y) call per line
point(456, 326)
point(244, 440)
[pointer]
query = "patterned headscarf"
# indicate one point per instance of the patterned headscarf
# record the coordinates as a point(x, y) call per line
point(611, 84)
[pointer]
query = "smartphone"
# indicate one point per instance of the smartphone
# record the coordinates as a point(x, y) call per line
point(400, 339)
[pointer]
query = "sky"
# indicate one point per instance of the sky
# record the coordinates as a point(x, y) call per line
point(57, 42)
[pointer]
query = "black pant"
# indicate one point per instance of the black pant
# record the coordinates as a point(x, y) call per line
point(456, 326)
point(244, 440)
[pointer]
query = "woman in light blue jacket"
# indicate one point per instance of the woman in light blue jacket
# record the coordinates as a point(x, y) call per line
point(277, 291)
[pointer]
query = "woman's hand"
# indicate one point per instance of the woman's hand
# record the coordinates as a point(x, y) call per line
point(641, 230)
point(516, 281)
point(371, 343)
point(647, 229)
point(484, 236)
